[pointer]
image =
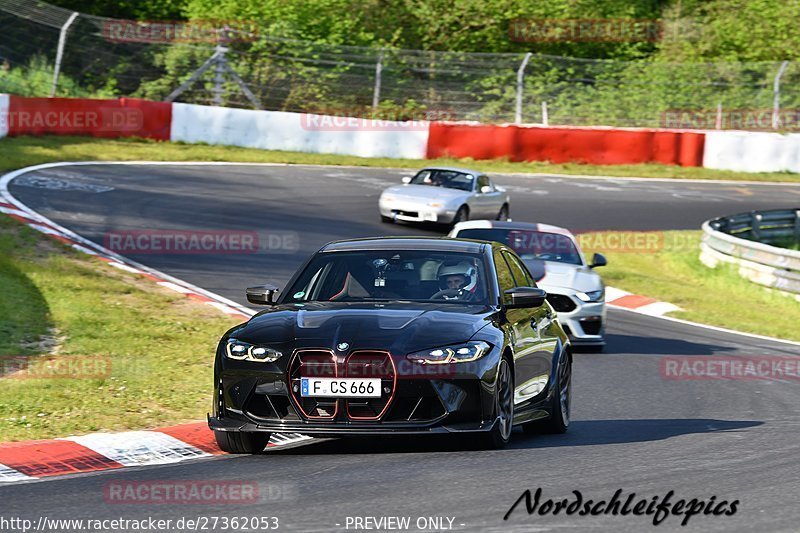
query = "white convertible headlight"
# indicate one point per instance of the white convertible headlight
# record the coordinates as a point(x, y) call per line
point(455, 353)
point(242, 351)
point(591, 296)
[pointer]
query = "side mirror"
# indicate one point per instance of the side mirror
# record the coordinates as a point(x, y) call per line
point(486, 189)
point(525, 297)
point(598, 260)
point(406, 179)
point(262, 294)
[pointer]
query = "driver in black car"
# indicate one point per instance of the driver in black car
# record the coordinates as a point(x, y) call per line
point(457, 281)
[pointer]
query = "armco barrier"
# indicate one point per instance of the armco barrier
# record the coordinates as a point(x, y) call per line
point(277, 130)
point(749, 151)
point(563, 145)
point(124, 117)
point(757, 259)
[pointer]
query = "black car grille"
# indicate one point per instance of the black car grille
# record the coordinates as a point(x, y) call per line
point(369, 364)
point(322, 363)
point(561, 303)
point(313, 363)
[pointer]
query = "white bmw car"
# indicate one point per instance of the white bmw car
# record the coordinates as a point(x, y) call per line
point(555, 260)
point(444, 196)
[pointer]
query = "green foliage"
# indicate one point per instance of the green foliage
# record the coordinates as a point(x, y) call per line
point(713, 52)
point(36, 79)
point(127, 9)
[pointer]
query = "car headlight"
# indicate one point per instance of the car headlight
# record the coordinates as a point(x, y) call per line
point(435, 204)
point(243, 351)
point(454, 353)
point(591, 296)
point(387, 198)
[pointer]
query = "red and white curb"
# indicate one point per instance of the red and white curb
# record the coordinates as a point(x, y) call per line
point(23, 461)
point(19, 211)
point(26, 461)
point(639, 304)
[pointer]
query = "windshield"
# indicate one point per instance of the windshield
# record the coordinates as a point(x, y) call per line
point(529, 244)
point(389, 275)
point(449, 179)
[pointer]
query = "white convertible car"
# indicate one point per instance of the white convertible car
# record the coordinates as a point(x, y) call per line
point(558, 266)
point(444, 196)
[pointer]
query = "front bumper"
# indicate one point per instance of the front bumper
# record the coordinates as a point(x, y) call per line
point(415, 399)
point(584, 322)
point(415, 212)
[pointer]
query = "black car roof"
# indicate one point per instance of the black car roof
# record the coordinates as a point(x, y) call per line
point(439, 244)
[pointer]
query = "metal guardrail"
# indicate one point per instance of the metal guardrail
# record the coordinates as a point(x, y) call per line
point(749, 240)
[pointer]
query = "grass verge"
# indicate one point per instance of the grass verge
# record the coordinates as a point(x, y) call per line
point(18, 152)
point(672, 272)
point(131, 354)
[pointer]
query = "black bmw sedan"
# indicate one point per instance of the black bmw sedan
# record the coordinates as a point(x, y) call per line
point(395, 336)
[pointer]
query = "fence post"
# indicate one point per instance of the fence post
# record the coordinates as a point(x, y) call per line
point(62, 40)
point(520, 87)
point(776, 99)
point(545, 117)
point(376, 93)
point(719, 116)
point(219, 77)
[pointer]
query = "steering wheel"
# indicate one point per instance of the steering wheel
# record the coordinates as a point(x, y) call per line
point(452, 294)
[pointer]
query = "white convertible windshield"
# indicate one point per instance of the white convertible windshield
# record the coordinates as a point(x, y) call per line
point(449, 179)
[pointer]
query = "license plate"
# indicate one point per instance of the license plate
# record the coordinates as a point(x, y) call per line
point(341, 387)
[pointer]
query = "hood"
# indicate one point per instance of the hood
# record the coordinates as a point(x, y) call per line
point(398, 327)
point(554, 275)
point(424, 192)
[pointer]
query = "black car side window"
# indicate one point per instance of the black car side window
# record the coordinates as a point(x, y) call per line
point(521, 276)
point(504, 277)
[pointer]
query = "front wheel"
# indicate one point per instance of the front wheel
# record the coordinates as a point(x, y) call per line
point(387, 220)
point(241, 441)
point(500, 434)
point(462, 215)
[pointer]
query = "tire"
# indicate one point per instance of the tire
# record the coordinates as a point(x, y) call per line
point(241, 441)
point(560, 406)
point(503, 214)
point(462, 215)
point(498, 437)
point(387, 220)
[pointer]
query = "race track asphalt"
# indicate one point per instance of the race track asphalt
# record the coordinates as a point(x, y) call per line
point(632, 429)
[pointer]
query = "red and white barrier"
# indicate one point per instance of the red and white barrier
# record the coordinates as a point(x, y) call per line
point(748, 151)
point(124, 117)
point(323, 134)
point(597, 146)
point(299, 132)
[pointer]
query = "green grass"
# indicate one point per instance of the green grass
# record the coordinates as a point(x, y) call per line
point(148, 352)
point(720, 297)
point(18, 152)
